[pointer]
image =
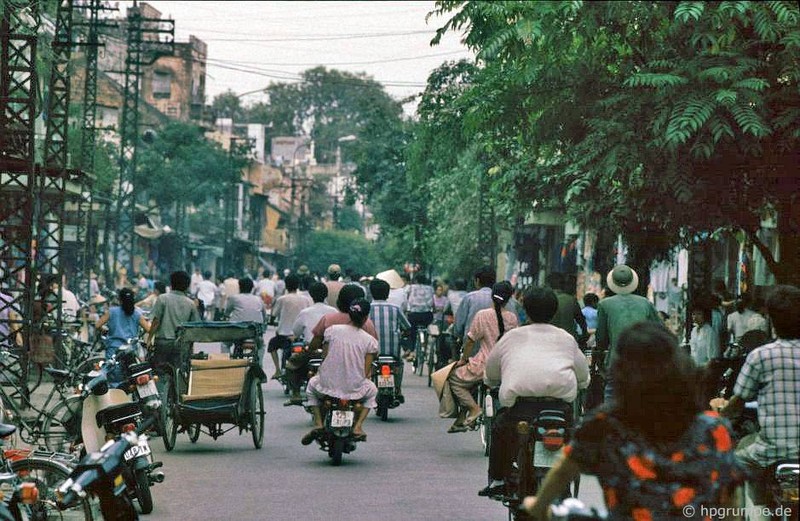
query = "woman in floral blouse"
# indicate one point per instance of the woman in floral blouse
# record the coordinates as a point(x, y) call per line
point(655, 454)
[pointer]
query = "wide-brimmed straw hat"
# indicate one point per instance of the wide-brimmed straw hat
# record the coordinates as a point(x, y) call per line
point(392, 277)
point(622, 280)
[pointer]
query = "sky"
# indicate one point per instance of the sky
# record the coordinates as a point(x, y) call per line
point(251, 44)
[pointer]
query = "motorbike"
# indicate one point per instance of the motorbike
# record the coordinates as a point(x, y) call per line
point(384, 371)
point(295, 348)
point(785, 488)
point(16, 496)
point(107, 414)
point(337, 438)
point(572, 509)
point(102, 473)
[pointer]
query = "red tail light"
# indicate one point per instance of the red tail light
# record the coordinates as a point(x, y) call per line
point(128, 427)
point(386, 370)
point(297, 349)
point(553, 439)
point(343, 402)
point(142, 379)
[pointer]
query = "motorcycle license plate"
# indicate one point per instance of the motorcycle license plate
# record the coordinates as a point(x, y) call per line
point(148, 389)
point(543, 457)
point(386, 381)
point(342, 418)
point(143, 449)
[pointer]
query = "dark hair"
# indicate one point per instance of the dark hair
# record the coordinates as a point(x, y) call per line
point(379, 289)
point(231, 275)
point(485, 276)
point(207, 275)
point(590, 299)
point(245, 285)
point(421, 279)
point(292, 282)
point(459, 285)
point(160, 286)
point(501, 294)
point(318, 291)
point(556, 281)
point(127, 300)
point(540, 304)
point(704, 308)
point(347, 295)
point(655, 383)
point(180, 280)
point(743, 302)
point(783, 306)
point(358, 311)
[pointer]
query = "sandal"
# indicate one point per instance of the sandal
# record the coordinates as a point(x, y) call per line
point(471, 422)
point(457, 428)
point(359, 437)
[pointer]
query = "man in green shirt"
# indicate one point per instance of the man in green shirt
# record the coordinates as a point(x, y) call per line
point(170, 311)
point(616, 314)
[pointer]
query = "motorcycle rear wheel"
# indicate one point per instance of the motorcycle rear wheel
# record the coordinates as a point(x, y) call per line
point(48, 475)
point(336, 451)
point(143, 494)
point(383, 411)
point(117, 508)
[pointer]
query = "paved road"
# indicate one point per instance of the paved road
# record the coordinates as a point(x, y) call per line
point(409, 469)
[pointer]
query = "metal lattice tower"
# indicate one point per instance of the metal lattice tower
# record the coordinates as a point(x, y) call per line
point(144, 47)
point(18, 87)
point(52, 179)
point(487, 237)
point(84, 233)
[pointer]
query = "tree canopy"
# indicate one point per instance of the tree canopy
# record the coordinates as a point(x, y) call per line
point(650, 118)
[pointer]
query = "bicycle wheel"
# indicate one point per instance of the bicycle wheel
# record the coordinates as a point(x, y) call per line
point(257, 414)
point(419, 350)
point(88, 365)
point(48, 475)
point(62, 425)
point(169, 428)
point(431, 359)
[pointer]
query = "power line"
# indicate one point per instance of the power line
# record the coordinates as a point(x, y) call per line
point(329, 37)
point(370, 62)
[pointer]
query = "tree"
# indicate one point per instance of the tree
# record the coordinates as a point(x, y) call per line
point(348, 249)
point(655, 119)
point(228, 105)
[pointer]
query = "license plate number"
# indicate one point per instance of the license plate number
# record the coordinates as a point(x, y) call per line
point(543, 457)
point(148, 389)
point(341, 418)
point(386, 381)
point(143, 449)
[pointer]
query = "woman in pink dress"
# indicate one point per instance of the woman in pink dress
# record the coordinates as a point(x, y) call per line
point(486, 329)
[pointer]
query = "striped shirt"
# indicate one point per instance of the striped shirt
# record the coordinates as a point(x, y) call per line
point(389, 322)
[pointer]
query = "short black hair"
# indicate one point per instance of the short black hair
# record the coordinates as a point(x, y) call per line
point(318, 291)
point(379, 289)
point(180, 280)
point(245, 285)
point(160, 286)
point(540, 304)
point(486, 276)
point(590, 299)
point(347, 295)
point(292, 282)
point(783, 306)
point(207, 275)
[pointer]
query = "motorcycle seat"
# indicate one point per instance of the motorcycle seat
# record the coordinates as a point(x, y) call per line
point(7, 430)
point(385, 359)
point(117, 413)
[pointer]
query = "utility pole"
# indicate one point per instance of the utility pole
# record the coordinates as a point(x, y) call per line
point(18, 88)
point(144, 48)
point(487, 233)
point(85, 236)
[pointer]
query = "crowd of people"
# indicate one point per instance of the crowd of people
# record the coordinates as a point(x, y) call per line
point(653, 442)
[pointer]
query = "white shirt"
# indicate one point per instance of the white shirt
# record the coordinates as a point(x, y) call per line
point(195, 281)
point(308, 318)
point(286, 309)
point(397, 297)
point(265, 286)
point(538, 360)
point(704, 344)
point(206, 291)
point(342, 372)
point(70, 305)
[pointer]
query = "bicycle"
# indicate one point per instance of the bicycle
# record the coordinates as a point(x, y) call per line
point(431, 355)
point(57, 425)
point(420, 348)
point(486, 398)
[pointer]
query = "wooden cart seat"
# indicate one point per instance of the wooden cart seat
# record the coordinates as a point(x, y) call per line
point(214, 379)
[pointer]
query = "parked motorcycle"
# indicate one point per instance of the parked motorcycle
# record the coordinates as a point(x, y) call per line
point(785, 488)
point(102, 474)
point(384, 372)
point(107, 414)
point(337, 438)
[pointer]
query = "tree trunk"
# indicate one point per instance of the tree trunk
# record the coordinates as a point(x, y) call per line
point(787, 269)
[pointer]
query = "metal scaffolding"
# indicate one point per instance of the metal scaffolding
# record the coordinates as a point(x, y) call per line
point(148, 39)
point(18, 88)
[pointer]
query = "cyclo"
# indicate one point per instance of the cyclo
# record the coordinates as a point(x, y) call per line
point(210, 391)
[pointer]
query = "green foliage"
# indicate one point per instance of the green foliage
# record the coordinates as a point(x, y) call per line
point(646, 118)
point(348, 249)
point(227, 105)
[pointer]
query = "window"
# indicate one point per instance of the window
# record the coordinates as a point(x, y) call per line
point(161, 85)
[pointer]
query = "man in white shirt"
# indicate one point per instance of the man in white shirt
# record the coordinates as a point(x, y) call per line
point(538, 366)
point(303, 328)
point(206, 293)
point(197, 277)
point(285, 310)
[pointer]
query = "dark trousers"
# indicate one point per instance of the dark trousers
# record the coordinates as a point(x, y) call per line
point(504, 433)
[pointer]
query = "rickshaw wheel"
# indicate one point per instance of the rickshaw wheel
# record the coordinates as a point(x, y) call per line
point(257, 414)
point(170, 432)
point(194, 432)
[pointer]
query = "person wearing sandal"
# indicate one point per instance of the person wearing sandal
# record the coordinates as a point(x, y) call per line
point(535, 365)
point(488, 326)
point(348, 352)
